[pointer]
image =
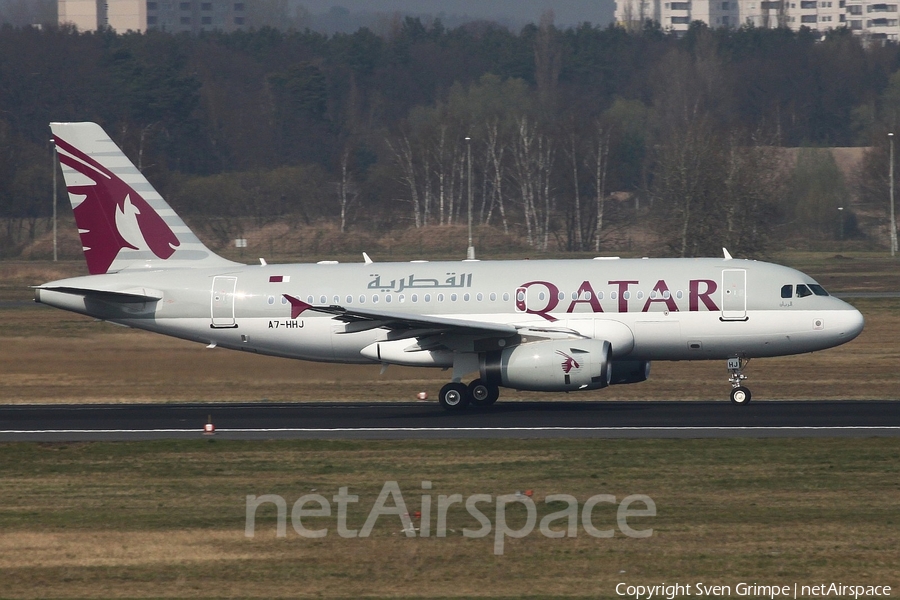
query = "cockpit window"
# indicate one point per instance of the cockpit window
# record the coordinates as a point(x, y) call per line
point(803, 291)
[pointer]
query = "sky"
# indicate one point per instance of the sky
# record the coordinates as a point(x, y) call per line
point(510, 12)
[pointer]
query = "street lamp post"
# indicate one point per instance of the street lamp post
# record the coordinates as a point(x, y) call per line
point(470, 251)
point(893, 220)
point(841, 232)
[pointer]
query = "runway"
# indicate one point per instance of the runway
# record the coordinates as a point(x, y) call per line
point(426, 420)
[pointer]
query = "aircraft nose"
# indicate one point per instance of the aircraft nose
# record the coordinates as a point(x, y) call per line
point(852, 323)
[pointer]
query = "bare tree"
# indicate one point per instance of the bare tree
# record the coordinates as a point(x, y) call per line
point(601, 163)
point(348, 190)
point(547, 61)
point(533, 160)
point(494, 151)
point(403, 157)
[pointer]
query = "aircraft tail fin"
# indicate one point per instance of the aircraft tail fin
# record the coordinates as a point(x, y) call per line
point(123, 221)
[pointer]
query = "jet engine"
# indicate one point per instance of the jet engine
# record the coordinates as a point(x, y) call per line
point(629, 371)
point(550, 366)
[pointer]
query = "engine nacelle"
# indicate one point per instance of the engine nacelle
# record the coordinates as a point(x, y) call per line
point(550, 366)
point(629, 371)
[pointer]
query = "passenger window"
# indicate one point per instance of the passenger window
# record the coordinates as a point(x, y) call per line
point(427, 297)
point(506, 296)
point(803, 291)
point(787, 291)
point(415, 297)
point(493, 296)
point(817, 289)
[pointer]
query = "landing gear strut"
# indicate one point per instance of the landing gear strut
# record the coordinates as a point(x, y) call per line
point(739, 393)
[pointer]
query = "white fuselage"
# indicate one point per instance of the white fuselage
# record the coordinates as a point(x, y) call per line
point(650, 309)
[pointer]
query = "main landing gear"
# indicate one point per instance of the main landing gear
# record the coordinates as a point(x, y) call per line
point(739, 393)
point(456, 395)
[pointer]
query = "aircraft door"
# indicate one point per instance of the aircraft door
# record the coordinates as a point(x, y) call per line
point(734, 295)
point(222, 299)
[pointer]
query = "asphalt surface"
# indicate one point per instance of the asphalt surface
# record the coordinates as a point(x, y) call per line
point(424, 420)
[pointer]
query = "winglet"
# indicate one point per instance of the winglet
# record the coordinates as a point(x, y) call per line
point(726, 253)
point(366, 258)
point(297, 306)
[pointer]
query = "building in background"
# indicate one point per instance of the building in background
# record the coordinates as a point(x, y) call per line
point(873, 19)
point(168, 15)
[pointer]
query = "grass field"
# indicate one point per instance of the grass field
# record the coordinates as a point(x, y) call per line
point(167, 519)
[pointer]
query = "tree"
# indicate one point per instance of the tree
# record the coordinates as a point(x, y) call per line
point(817, 190)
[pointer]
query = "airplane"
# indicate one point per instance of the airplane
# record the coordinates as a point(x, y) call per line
point(542, 325)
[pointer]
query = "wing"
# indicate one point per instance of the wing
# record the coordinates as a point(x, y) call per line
point(360, 319)
point(435, 333)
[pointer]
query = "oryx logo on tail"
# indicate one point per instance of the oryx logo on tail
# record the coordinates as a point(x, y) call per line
point(112, 216)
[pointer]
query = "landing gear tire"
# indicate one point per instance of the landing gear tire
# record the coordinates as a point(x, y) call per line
point(483, 394)
point(454, 396)
point(740, 395)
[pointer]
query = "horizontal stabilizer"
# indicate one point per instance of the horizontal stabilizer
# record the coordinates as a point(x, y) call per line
point(121, 297)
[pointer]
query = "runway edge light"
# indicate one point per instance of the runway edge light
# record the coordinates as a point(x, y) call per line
point(209, 428)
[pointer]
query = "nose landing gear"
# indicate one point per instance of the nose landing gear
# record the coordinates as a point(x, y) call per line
point(739, 393)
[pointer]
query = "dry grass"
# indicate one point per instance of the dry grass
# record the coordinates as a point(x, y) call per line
point(166, 519)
